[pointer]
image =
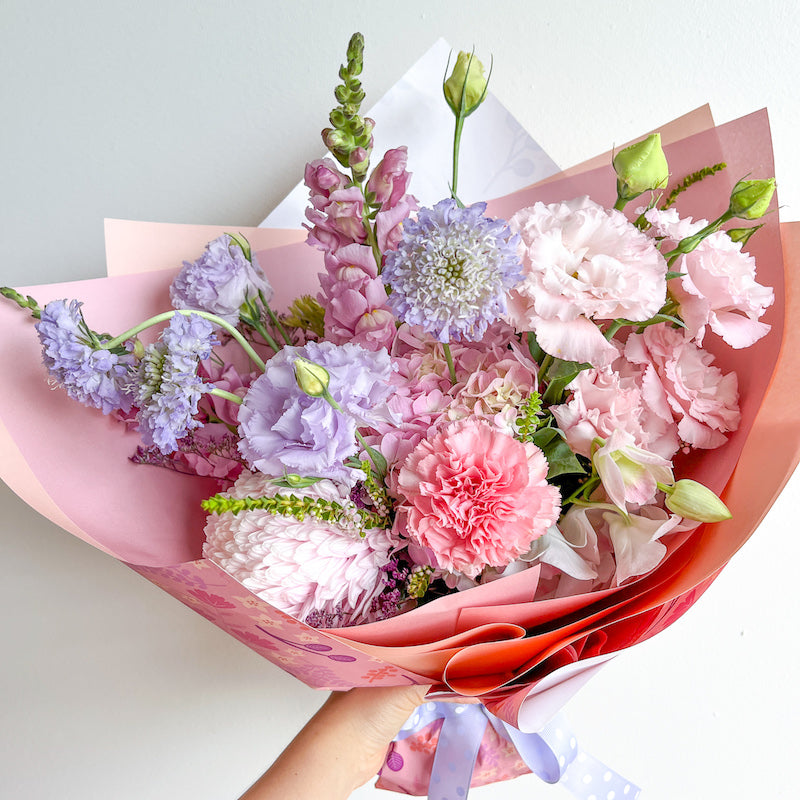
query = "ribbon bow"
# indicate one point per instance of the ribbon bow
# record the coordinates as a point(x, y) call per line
point(551, 753)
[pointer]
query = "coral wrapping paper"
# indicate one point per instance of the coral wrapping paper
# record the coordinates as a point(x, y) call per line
point(490, 641)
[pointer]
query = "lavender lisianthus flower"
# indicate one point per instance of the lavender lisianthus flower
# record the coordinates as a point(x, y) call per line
point(285, 430)
point(219, 281)
point(168, 387)
point(73, 356)
point(451, 271)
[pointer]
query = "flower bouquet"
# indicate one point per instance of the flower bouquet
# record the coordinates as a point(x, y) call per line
point(481, 448)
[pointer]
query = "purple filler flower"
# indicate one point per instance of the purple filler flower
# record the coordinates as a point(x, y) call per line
point(73, 356)
point(168, 386)
point(219, 281)
point(451, 271)
point(285, 430)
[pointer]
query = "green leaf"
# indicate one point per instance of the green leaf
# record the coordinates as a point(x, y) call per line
point(537, 354)
point(559, 455)
point(560, 375)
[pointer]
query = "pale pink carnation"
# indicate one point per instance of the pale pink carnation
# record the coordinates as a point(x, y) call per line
point(718, 288)
point(299, 566)
point(582, 262)
point(602, 402)
point(680, 383)
point(476, 496)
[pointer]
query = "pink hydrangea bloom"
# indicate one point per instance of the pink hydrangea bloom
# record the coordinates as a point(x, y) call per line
point(496, 390)
point(299, 566)
point(582, 262)
point(680, 383)
point(476, 497)
point(718, 288)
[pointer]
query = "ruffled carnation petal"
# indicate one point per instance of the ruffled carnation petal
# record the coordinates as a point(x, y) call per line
point(476, 497)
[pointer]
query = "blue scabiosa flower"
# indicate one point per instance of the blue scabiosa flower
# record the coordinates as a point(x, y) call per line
point(73, 355)
point(169, 388)
point(220, 280)
point(451, 271)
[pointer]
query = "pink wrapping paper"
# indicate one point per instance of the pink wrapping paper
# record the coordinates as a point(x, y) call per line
point(493, 641)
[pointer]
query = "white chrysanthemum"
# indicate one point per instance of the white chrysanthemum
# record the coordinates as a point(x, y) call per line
point(298, 566)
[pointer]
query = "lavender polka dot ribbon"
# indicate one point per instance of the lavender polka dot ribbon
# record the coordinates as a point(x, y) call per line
point(552, 754)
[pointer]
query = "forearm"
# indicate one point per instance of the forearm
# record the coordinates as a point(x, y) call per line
point(341, 747)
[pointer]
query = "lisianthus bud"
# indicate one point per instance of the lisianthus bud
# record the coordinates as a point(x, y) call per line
point(641, 167)
point(751, 199)
point(692, 500)
point(312, 378)
point(742, 235)
point(466, 79)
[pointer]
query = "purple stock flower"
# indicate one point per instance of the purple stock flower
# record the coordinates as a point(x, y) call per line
point(451, 271)
point(168, 385)
point(73, 356)
point(219, 281)
point(284, 430)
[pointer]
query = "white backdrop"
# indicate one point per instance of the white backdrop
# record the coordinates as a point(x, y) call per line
point(206, 112)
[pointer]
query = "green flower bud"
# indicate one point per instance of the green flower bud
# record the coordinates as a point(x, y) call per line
point(751, 199)
point(311, 378)
point(692, 500)
point(641, 167)
point(742, 234)
point(466, 79)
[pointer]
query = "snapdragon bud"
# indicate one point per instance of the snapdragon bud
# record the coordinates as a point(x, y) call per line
point(751, 199)
point(692, 500)
point(642, 167)
point(312, 378)
point(466, 79)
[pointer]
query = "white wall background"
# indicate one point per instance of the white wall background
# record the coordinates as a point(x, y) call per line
point(206, 112)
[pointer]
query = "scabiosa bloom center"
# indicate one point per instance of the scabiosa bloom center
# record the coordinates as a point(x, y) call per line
point(451, 271)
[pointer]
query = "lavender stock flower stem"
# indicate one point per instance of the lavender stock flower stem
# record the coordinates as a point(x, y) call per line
point(186, 312)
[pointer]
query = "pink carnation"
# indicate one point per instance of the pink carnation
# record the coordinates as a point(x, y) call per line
point(581, 263)
point(718, 288)
point(610, 399)
point(476, 497)
point(680, 383)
